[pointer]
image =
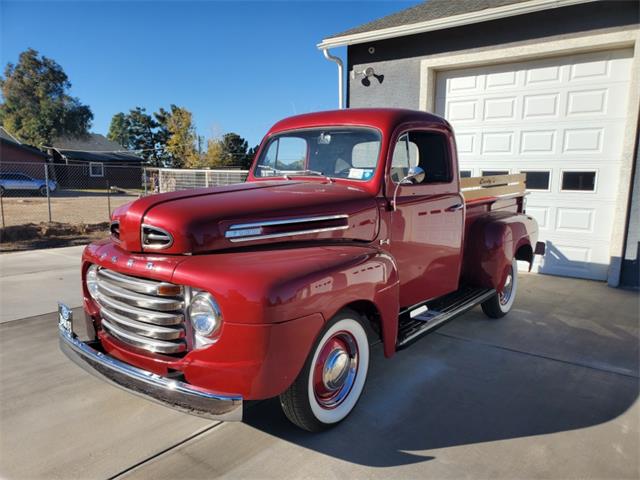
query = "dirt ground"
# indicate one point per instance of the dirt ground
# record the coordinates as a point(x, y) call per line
point(33, 236)
point(78, 208)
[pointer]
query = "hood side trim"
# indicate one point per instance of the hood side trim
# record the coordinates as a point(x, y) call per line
point(246, 232)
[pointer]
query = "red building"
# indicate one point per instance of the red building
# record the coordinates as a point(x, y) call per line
point(18, 157)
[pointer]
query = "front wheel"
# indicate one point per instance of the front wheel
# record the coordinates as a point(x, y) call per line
point(43, 191)
point(331, 381)
point(500, 304)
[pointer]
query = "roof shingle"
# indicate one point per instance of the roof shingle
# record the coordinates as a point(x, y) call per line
point(93, 147)
point(429, 10)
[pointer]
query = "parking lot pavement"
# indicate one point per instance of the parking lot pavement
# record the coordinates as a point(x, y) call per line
point(32, 282)
point(551, 391)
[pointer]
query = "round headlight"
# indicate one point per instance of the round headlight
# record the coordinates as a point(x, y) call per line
point(92, 280)
point(205, 314)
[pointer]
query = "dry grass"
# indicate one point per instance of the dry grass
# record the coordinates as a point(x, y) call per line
point(86, 208)
point(49, 235)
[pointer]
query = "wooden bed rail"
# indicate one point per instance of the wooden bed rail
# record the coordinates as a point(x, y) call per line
point(493, 186)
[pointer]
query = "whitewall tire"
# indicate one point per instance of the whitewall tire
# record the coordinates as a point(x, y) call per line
point(333, 377)
point(500, 304)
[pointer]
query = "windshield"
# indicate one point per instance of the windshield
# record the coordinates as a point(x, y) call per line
point(335, 152)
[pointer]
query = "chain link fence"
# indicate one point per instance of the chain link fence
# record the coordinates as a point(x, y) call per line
point(163, 180)
point(86, 194)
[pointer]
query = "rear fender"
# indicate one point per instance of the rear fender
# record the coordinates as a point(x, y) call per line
point(492, 244)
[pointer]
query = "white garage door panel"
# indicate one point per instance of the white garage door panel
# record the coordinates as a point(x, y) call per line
point(558, 115)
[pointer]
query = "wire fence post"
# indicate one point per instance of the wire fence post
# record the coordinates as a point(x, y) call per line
point(2, 210)
point(145, 180)
point(108, 200)
point(46, 179)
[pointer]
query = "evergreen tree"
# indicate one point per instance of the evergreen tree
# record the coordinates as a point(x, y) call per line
point(36, 106)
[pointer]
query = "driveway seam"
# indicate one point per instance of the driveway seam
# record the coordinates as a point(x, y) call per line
point(538, 355)
point(166, 450)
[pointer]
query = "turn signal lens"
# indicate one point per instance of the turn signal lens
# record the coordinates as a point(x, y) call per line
point(169, 290)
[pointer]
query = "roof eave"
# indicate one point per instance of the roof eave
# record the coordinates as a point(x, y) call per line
point(447, 22)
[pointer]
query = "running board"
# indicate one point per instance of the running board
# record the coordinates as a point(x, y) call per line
point(423, 319)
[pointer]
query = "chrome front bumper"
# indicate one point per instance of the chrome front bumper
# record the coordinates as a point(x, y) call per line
point(165, 391)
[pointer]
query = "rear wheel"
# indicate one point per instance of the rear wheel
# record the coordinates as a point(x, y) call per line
point(1, 191)
point(43, 191)
point(331, 381)
point(500, 304)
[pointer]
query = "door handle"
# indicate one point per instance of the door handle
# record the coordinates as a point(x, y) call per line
point(455, 208)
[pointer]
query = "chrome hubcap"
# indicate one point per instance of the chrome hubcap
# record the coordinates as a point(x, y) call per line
point(335, 370)
point(507, 288)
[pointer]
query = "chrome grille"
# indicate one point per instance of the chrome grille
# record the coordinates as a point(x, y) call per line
point(155, 238)
point(135, 311)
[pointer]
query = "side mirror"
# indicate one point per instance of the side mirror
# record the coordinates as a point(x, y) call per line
point(414, 176)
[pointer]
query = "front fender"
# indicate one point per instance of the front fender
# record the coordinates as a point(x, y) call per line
point(282, 291)
point(279, 285)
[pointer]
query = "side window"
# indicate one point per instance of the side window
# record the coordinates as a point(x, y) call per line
point(96, 169)
point(465, 173)
point(428, 150)
point(492, 173)
point(537, 179)
point(579, 181)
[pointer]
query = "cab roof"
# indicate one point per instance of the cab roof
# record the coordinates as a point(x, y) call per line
point(385, 119)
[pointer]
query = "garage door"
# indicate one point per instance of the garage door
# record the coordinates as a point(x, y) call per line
point(561, 121)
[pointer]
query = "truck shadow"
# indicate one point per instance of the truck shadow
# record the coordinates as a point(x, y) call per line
point(447, 391)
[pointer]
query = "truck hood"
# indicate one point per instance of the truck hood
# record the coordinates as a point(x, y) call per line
point(247, 214)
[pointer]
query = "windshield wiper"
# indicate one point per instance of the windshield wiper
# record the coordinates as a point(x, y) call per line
point(311, 172)
point(307, 172)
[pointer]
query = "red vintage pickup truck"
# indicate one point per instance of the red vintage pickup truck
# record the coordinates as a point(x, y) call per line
point(353, 227)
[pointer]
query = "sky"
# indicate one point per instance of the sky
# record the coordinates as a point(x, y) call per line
point(237, 66)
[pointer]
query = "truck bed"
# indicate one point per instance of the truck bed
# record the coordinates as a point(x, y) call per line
point(490, 193)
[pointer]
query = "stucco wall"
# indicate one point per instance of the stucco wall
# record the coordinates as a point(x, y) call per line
point(399, 59)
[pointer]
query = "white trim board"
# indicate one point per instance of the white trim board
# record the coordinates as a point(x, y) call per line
point(448, 22)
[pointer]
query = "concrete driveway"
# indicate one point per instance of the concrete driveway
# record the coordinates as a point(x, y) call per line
point(32, 282)
point(548, 392)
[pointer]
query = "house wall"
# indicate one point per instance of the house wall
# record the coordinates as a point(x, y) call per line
point(75, 175)
point(399, 59)
point(10, 153)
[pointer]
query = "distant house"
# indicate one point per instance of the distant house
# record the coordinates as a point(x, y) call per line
point(15, 156)
point(94, 161)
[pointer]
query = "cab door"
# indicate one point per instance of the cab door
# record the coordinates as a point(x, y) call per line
point(426, 226)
